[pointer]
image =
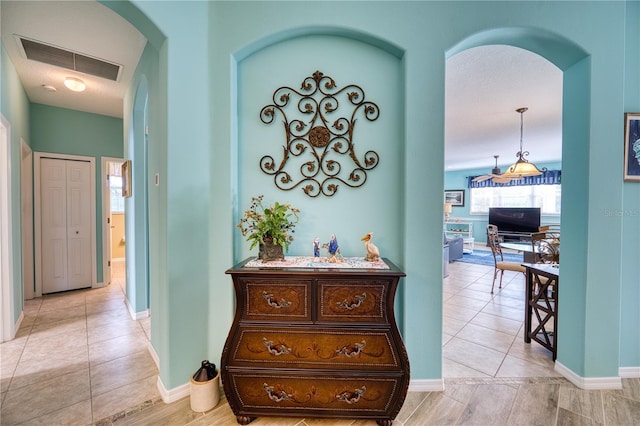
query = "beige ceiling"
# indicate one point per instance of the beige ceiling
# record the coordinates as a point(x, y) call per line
point(484, 85)
point(85, 27)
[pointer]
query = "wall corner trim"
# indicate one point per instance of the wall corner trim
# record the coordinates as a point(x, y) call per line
point(629, 372)
point(133, 314)
point(173, 395)
point(168, 395)
point(589, 383)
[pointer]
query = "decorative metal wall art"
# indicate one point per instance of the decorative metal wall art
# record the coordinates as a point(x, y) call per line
point(319, 139)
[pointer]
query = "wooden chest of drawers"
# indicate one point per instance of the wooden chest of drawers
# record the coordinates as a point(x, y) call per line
point(311, 342)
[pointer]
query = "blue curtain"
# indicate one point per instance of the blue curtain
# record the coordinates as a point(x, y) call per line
point(549, 177)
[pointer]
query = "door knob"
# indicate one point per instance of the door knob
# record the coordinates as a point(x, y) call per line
point(77, 232)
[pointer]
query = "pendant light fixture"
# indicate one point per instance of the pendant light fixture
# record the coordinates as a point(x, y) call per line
point(521, 168)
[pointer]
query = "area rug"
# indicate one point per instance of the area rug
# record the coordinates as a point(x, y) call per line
point(482, 257)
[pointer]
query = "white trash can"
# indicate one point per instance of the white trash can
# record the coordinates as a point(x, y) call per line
point(205, 395)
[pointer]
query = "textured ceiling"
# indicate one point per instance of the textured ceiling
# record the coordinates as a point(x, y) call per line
point(484, 85)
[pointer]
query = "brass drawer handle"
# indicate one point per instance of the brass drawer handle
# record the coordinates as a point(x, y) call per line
point(352, 351)
point(351, 397)
point(278, 305)
point(276, 396)
point(276, 350)
point(352, 305)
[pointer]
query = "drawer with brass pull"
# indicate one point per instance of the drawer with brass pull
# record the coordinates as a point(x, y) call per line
point(321, 394)
point(326, 348)
point(352, 301)
point(281, 300)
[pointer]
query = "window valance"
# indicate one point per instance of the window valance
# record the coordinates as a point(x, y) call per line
point(549, 177)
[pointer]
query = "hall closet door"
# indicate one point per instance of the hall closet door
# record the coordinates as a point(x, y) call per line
point(66, 224)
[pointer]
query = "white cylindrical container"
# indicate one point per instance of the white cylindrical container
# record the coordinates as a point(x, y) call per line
point(205, 395)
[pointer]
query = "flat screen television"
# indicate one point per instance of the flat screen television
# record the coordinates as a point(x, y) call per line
point(515, 219)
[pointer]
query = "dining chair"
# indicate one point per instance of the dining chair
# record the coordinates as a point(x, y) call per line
point(546, 247)
point(493, 239)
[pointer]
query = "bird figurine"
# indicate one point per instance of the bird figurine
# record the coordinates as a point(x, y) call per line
point(373, 254)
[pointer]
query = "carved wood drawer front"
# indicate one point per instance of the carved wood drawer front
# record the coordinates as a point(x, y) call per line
point(277, 299)
point(330, 393)
point(352, 301)
point(333, 349)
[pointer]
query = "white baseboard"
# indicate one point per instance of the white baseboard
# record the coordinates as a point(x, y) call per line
point(426, 385)
point(629, 372)
point(17, 325)
point(154, 355)
point(589, 383)
point(135, 315)
point(175, 394)
point(168, 395)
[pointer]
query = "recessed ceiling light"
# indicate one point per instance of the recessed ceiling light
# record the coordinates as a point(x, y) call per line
point(49, 88)
point(74, 84)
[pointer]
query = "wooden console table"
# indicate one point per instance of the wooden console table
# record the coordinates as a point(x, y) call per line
point(315, 342)
point(542, 301)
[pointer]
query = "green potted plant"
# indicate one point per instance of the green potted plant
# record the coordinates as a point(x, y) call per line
point(270, 228)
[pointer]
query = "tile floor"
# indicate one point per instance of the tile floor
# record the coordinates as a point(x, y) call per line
point(483, 333)
point(79, 359)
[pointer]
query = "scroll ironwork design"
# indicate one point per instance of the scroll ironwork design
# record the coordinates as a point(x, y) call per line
point(319, 138)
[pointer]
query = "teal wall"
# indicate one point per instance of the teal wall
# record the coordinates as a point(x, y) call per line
point(202, 78)
point(457, 180)
point(350, 213)
point(630, 212)
point(14, 105)
point(137, 206)
point(64, 131)
point(183, 299)
point(426, 32)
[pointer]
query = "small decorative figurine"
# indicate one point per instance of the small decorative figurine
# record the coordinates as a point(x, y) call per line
point(316, 247)
point(373, 254)
point(333, 245)
point(334, 250)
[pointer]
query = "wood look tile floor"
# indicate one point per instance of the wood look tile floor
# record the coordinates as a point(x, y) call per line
point(79, 359)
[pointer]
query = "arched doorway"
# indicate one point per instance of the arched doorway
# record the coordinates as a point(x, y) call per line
point(574, 63)
point(484, 87)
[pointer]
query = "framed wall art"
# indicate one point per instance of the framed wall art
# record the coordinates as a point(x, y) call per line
point(454, 197)
point(632, 147)
point(126, 178)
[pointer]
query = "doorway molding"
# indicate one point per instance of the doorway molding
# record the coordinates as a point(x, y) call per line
point(574, 62)
point(37, 214)
point(7, 312)
point(26, 214)
point(105, 226)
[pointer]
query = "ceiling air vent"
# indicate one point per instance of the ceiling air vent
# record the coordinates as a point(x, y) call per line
point(66, 59)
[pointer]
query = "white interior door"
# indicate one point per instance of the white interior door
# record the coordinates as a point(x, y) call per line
point(78, 224)
point(66, 229)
